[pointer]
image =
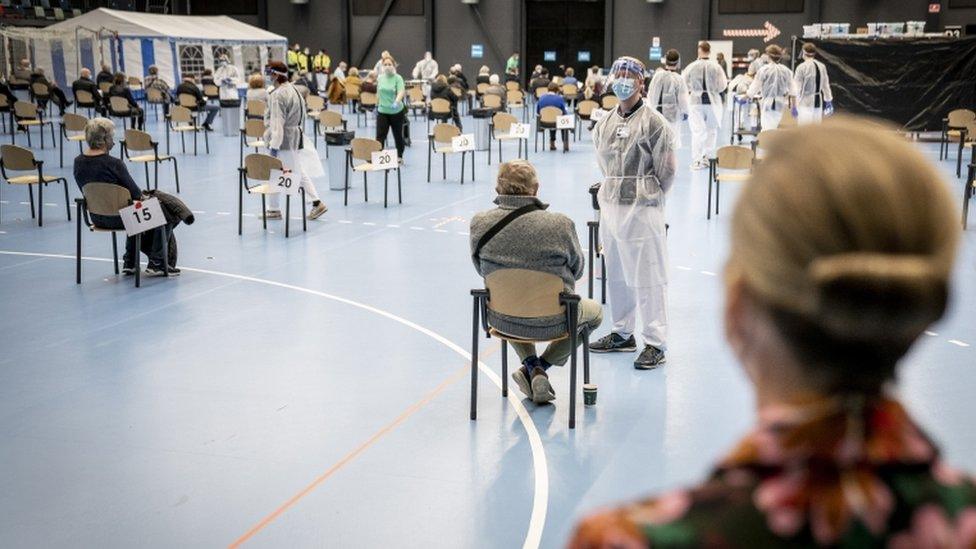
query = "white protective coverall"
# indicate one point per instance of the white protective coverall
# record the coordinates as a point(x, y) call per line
point(739, 93)
point(285, 120)
point(774, 83)
point(705, 80)
point(812, 87)
point(228, 78)
point(668, 94)
point(425, 69)
point(759, 63)
point(636, 156)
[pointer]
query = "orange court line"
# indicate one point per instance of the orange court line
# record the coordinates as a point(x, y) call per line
point(358, 450)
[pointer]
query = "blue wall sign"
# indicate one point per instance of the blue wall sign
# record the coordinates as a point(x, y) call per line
point(477, 51)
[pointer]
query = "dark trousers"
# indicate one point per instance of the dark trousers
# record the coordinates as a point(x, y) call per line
point(211, 111)
point(138, 117)
point(384, 122)
point(57, 96)
point(152, 244)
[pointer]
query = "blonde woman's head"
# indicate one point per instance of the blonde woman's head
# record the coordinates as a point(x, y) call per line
point(517, 177)
point(843, 242)
point(256, 81)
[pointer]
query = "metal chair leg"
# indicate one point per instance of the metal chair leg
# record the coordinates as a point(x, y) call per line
point(505, 369)
point(115, 253)
point(474, 357)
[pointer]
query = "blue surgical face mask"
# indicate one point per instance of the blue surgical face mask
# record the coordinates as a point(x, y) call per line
point(623, 88)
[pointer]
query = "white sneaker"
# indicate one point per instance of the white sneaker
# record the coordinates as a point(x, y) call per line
point(272, 214)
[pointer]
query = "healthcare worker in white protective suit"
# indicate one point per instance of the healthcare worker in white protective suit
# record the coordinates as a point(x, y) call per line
point(706, 81)
point(426, 68)
point(814, 99)
point(668, 94)
point(774, 84)
point(227, 77)
point(285, 120)
point(635, 151)
point(756, 61)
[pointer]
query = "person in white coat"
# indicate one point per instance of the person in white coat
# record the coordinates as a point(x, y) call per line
point(668, 94)
point(426, 68)
point(635, 151)
point(774, 85)
point(706, 81)
point(813, 96)
point(228, 78)
point(756, 61)
point(285, 120)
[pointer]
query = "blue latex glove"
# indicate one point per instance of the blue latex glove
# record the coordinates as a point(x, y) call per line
point(795, 112)
point(398, 105)
point(828, 108)
point(274, 152)
point(684, 116)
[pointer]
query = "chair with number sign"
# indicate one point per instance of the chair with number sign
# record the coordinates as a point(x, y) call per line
point(141, 142)
point(181, 120)
point(327, 123)
point(739, 160)
point(527, 294)
point(105, 199)
point(441, 141)
point(499, 129)
point(19, 159)
point(362, 149)
point(28, 116)
point(72, 129)
point(258, 167)
point(546, 120)
point(253, 129)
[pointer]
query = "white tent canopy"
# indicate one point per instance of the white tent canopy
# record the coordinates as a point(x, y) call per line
point(131, 41)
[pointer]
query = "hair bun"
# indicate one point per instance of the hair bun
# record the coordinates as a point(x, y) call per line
point(874, 296)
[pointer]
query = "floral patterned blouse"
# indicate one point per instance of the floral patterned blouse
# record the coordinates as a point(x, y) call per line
point(838, 473)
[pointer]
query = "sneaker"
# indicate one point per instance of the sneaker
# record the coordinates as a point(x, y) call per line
point(208, 127)
point(521, 378)
point(651, 357)
point(552, 145)
point(272, 214)
point(158, 271)
point(128, 271)
point(317, 211)
point(542, 392)
point(614, 343)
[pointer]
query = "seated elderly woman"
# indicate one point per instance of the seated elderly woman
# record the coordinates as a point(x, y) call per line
point(120, 88)
point(537, 240)
point(836, 269)
point(96, 165)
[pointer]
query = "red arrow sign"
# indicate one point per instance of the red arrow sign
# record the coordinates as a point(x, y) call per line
point(768, 32)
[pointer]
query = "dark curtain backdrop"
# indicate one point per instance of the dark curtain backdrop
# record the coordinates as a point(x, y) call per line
point(913, 83)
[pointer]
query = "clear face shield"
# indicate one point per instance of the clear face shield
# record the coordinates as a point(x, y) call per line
point(625, 77)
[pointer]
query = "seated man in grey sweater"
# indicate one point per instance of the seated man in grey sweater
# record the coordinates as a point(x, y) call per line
point(538, 240)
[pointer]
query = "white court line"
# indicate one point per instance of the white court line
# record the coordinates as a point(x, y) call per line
point(51, 204)
point(345, 221)
point(708, 273)
point(201, 212)
point(223, 213)
point(683, 268)
point(393, 226)
point(930, 333)
point(439, 231)
point(417, 228)
point(369, 223)
point(959, 343)
point(540, 499)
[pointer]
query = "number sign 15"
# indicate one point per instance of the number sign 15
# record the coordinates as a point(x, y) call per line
point(142, 216)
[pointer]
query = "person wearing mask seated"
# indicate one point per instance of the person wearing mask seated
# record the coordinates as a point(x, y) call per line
point(440, 88)
point(552, 99)
point(819, 329)
point(120, 88)
point(85, 83)
point(256, 88)
point(153, 81)
point(105, 75)
point(57, 94)
point(207, 78)
point(188, 87)
point(540, 81)
point(538, 240)
point(484, 75)
point(96, 165)
point(495, 88)
point(570, 77)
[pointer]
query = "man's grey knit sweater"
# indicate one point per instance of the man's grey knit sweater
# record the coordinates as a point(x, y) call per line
point(538, 241)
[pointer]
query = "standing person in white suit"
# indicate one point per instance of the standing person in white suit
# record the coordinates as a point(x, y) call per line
point(635, 150)
point(705, 80)
point(774, 84)
point(228, 78)
point(813, 96)
point(668, 94)
point(285, 120)
point(426, 68)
